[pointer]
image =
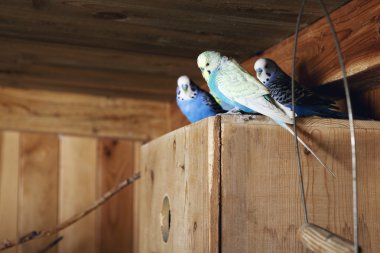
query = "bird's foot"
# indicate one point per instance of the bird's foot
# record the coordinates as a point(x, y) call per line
point(234, 111)
point(248, 117)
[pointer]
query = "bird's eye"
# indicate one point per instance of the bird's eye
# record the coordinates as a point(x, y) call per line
point(208, 64)
point(209, 71)
point(192, 88)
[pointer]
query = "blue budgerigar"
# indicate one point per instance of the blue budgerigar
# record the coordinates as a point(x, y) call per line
point(195, 103)
point(307, 102)
point(232, 84)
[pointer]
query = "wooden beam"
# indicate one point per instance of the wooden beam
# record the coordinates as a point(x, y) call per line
point(35, 110)
point(55, 66)
point(163, 27)
point(357, 26)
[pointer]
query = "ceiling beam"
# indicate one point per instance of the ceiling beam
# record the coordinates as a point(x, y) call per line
point(357, 26)
point(76, 114)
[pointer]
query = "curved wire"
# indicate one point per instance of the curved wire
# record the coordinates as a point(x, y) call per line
point(351, 124)
point(299, 166)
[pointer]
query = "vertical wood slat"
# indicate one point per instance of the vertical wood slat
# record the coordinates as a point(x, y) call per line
point(182, 166)
point(116, 216)
point(9, 184)
point(38, 194)
point(261, 209)
point(77, 190)
point(136, 207)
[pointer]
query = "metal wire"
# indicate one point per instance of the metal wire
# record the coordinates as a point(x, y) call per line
point(351, 124)
point(299, 166)
point(350, 119)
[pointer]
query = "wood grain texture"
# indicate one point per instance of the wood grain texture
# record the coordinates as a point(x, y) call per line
point(38, 194)
point(33, 110)
point(133, 48)
point(9, 185)
point(261, 209)
point(60, 67)
point(320, 240)
point(183, 166)
point(357, 26)
point(136, 198)
point(116, 162)
point(368, 103)
point(77, 190)
point(157, 27)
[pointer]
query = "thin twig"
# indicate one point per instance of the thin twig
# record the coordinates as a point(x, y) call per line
point(47, 232)
point(51, 245)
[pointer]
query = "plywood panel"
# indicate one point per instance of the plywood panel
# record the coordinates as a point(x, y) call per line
point(261, 209)
point(183, 166)
point(77, 189)
point(33, 110)
point(9, 185)
point(38, 194)
point(116, 162)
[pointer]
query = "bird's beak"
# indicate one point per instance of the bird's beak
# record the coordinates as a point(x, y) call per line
point(185, 87)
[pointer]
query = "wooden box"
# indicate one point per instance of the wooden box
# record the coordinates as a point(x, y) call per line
point(230, 185)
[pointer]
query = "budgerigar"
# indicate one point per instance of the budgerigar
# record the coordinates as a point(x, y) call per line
point(231, 83)
point(195, 103)
point(307, 102)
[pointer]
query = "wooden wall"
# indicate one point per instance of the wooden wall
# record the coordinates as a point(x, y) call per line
point(45, 178)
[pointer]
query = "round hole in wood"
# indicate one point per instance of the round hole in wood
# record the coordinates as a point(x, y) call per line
point(165, 219)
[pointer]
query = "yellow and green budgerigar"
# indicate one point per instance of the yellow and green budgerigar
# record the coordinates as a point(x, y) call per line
point(229, 82)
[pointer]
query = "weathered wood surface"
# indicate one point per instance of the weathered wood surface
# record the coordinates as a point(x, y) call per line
point(357, 26)
point(261, 209)
point(9, 185)
point(54, 66)
point(320, 240)
point(77, 182)
point(38, 192)
point(157, 27)
point(184, 166)
point(133, 48)
point(43, 111)
point(115, 218)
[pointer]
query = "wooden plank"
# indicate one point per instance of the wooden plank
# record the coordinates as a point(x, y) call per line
point(182, 166)
point(368, 103)
point(38, 194)
point(357, 26)
point(136, 199)
point(54, 66)
point(163, 27)
point(116, 162)
point(9, 185)
point(261, 209)
point(77, 190)
point(33, 110)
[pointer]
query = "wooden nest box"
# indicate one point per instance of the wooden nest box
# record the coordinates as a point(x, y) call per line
point(229, 184)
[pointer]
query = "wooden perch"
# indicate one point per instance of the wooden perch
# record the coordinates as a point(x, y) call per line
point(47, 232)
